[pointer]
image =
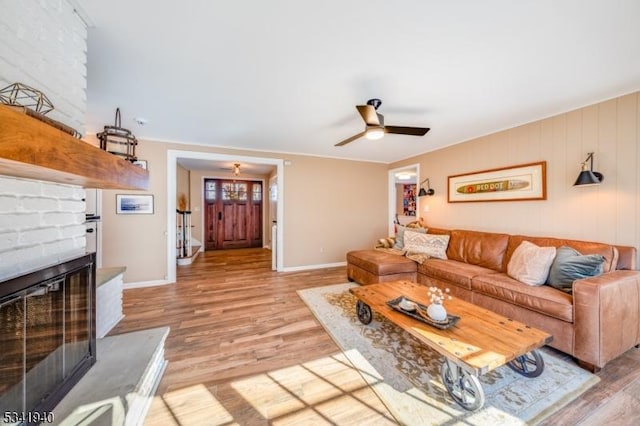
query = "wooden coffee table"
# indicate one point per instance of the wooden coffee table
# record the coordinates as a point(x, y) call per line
point(479, 342)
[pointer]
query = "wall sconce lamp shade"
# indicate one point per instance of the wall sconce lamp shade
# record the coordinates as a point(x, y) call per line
point(428, 191)
point(587, 176)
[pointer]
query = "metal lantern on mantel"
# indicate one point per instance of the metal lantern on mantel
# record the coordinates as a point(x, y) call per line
point(118, 141)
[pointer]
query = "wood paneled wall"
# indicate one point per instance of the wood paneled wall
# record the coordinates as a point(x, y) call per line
point(609, 212)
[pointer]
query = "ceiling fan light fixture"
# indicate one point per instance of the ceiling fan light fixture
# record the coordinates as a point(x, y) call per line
point(236, 169)
point(374, 132)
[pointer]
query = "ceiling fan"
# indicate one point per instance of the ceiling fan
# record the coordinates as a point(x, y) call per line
point(375, 128)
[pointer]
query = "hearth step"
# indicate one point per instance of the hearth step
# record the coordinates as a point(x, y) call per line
point(118, 389)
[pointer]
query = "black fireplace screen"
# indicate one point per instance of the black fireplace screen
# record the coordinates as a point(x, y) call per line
point(47, 335)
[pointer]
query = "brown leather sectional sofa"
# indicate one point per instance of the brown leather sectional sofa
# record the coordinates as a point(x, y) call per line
point(599, 321)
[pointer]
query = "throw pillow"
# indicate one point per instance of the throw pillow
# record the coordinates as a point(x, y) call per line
point(388, 242)
point(400, 235)
point(570, 265)
point(428, 244)
point(530, 263)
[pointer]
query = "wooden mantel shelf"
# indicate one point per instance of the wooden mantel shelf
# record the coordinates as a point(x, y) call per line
point(32, 149)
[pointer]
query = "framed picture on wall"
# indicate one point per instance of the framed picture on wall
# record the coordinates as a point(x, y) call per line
point(514, 183)
point(134, 204)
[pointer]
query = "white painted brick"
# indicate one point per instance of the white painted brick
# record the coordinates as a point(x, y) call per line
point(35, 204)
point(48, 42)
point(9, 203)
point(73, 206)
point(59, 218)
point(59, 191)
point(8, 241)
point(14, 262)
point(59, 248)
point(73, 231)
point(43, 43)
point(20, 186)
point(80, 243)
point(19, 221)
point(79, 194)
point(36, 236)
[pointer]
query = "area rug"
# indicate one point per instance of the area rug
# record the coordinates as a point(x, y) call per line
point(406, 374)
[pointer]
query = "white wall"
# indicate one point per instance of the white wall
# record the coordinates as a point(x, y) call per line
point(42, 44)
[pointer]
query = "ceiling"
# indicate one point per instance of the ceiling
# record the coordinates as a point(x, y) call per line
point(285, 76)
point(225, 167)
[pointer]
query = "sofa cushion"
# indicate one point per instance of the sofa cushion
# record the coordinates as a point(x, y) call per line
point(569, 265)
point(453, 271)
point(380, 263)
point(609, 252)
point(530, 264)
point(545, 300)
point(484, 249)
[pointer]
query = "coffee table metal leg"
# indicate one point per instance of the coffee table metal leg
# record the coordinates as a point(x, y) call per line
point(464, 388)
point(530, 364)
point(364, 312)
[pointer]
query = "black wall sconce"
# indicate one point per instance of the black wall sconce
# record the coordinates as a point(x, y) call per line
point(428, 191)
point(587, 176)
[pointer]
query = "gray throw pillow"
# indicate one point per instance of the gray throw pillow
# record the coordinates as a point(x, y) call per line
point(399, 245)
point(569, 265)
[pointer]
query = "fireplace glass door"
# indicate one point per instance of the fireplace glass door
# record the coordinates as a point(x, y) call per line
point(47, 338)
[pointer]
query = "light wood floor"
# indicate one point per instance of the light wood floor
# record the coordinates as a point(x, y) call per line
point(244, 349)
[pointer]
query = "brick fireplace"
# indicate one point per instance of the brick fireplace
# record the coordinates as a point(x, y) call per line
point(47, 282)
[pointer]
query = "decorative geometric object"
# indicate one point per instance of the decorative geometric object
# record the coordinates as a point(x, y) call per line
point(118, 141)
point(19, 94)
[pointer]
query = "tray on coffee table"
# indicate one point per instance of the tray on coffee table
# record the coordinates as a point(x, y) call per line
point(422, 315)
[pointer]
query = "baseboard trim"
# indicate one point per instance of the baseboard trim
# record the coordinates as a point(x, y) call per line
point(142, 284)
point(308, 267)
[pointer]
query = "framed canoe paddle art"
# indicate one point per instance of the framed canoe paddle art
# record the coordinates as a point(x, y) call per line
point(514, 183)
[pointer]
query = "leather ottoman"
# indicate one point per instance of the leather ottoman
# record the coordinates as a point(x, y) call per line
point(375, 266)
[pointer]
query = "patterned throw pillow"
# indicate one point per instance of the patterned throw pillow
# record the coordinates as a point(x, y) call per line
point(570, 265)
point(400, 235)
point(428, 244)
point(530, 263)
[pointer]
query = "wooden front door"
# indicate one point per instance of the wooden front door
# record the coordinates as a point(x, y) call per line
point(233, 214)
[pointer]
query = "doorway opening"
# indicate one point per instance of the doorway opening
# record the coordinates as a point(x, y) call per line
point(173, 157)
point(403, 196)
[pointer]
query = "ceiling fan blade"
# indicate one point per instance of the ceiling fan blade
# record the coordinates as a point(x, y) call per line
point(351, 139)
point(368, 114)
point(413, 131)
